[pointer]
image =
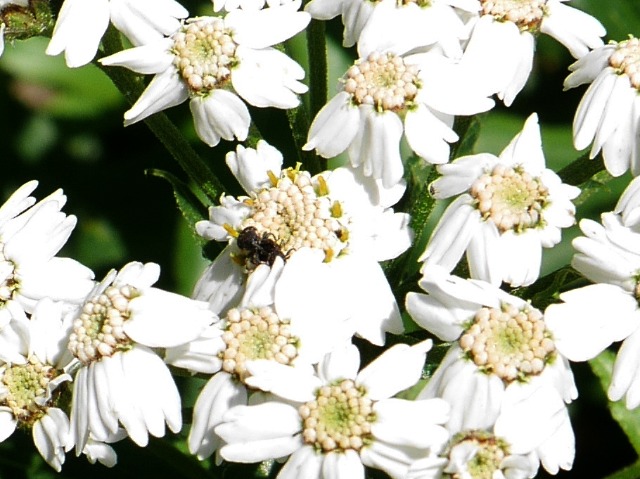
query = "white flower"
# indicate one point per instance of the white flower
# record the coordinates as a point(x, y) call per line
point(511, 207)
point(608, 114)
point(30, 386)
point(335, 422)
point(385, 95)
point(505, 352)
point(591, 318)
point(30, 237)
point(502, 41)
point(239, 62)
point(81, 25)
point(338, 222)
point(628, 206)
point(121, 380)
point(530, 429)
point(271, 323)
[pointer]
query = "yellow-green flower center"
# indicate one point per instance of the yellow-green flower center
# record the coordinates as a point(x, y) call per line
point(98, 330)
point(26, 389)
point(625, 60)
point(340, 418)
point(384, 81)
point(204, 54)
point(256, 334)
point(294, 213)
point(526, 14)
point(510, 343)
point(490, 452)
point(511, 198)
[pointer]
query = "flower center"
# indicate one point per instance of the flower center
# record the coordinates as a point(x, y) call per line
point(256, 334)
point(9, 283)
point(98, 330)
point(383, 81)
point(289, 215)
point(511, 198)
point(339, 418)
point(204, 54)
point(26, 389)
point(490, 452)
point(626, 60)
point(509, 342)
point(526, 14)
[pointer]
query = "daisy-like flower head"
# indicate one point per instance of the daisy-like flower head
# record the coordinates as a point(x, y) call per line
point(30, 386)
point(504, 353)
point(270, 324)
point(121, 380)
point(31, 234)
point(338, 221)
point(214, 62)
point(337, 419)
point(385, 95)
point(608, 254)
point(81, 25)
point(511, 207)
point(502, 41)
point(608, 114)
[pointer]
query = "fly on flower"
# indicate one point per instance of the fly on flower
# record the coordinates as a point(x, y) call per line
point(260, 249)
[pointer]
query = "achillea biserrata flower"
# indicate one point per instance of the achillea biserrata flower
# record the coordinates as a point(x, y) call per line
point(509, 208)
point(81, 25)
point(120, 380)
point(503, 37)
point(337, 420)
point(31, 383)
point(608, 114)
point(215, 63)
point(504, 354)
point(31, 234)
point(271, 323)
point(339, 222)
point(384, 96)
point(609, 255)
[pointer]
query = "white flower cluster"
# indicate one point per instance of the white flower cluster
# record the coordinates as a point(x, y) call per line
point(307, 268)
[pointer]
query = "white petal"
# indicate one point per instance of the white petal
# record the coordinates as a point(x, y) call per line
point(221, 393)
point(346, 464)
point(251, 166)
point(287, 382)
point(221, 114)
point(266, 27)
point(165, 90)
point(428, 135)
point(305, 462)
point(334, 127)
point(148, 59)
point(576, 30)
point(398, 368)
point(590, 319)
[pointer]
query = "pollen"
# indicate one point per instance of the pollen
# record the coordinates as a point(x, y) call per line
point(296, 212)
point(340, 418)
point(25, 389)
point(204, 54)
point(384, 81)
point(509, 342)
point(526, 14)
point(625, 60)
point(256, 334)
point(511, 198)
point(98, 329)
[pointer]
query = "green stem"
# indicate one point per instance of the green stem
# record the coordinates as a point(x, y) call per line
point(131, 86)
point(317, 51)
point(581, 170)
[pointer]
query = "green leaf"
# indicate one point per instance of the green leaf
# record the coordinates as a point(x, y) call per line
point(629, 421)
point(46, 84)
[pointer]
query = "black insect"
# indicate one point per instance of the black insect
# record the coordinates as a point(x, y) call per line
point(259, 249)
